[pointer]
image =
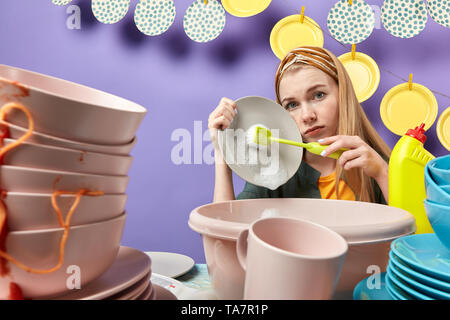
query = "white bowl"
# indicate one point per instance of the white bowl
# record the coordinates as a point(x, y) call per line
point(91, 249)
point(62, 159)
point(29, 180)
point(32, 211)
point(368, 228)
point(15, 132)
point(69, 110)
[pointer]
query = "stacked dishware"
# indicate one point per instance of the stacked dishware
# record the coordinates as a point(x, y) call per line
point(419, 265)
point(82, 140)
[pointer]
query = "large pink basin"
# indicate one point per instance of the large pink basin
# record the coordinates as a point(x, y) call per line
point(368, 228)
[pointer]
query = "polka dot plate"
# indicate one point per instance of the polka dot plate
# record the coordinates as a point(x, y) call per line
point(351, 23)
point(154, 17)
point(204, 22)
point(404, 18)
point(61, 2)
point(110, 11)
point(440, 11)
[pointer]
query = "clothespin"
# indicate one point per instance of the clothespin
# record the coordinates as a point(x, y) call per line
point(410, 83)
point(350, 2)
point(353, 51)
point(302, 14)
point(205, 1)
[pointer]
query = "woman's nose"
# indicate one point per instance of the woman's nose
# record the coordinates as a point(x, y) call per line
point(307, 114)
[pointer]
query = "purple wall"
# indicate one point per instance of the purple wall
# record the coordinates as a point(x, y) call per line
point(180, 81)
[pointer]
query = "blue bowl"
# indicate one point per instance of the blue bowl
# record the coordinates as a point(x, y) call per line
point(435, 192)
point(440, 170)
point(439, 217)
point(446, 189)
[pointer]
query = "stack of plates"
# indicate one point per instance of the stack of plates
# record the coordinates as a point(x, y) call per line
point(127, 279)
point(419, 269)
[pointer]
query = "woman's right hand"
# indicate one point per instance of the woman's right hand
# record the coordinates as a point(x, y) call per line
point(221, 118)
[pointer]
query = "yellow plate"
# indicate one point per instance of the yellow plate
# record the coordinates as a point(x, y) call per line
point(443, 128)
point(290, 33)
point(245, 8)
point(402, 109)
point(364, 72)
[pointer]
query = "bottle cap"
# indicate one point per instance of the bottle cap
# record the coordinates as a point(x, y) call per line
point(418, 133)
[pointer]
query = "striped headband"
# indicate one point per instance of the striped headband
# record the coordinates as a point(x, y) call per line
point(312, 57)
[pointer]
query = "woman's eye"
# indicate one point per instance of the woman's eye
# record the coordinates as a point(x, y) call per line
point(290, 105)
point(319, 95)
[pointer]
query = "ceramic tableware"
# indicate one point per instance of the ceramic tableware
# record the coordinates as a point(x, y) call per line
point(439, 216)
point(170, 264)
point(68, 110)
point(290, 259)
point(91, 247)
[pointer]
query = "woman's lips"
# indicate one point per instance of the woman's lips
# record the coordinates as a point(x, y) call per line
point(313, 132)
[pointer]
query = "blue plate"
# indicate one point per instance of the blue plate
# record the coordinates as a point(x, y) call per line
point(364, 291)
point(395, 292)
point(424, 253)
point(411, 294)
point(417, 286)
point(417, 276)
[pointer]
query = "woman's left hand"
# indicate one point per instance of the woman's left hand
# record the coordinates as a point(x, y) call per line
point(359, 155)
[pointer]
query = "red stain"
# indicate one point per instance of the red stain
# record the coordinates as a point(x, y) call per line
point(15, 293)
point(4, 268)
point(12, 95)
point(81, 159)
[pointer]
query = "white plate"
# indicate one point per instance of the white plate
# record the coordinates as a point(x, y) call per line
point(170, 264)
point(277, 170)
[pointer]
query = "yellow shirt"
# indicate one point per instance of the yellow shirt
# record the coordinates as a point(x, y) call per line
point(327, 188)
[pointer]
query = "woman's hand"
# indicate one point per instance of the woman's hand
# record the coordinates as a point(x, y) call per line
point(359, 155)
point(221, 118)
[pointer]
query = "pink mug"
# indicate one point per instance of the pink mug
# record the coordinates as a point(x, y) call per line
point(290, 259)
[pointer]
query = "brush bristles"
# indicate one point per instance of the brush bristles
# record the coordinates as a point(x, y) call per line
point(256, 136)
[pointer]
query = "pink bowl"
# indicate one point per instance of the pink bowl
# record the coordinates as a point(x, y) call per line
point(32, 211)
point(91, 247)
point(54, 158)
point(29, 180)
point(69, 110)
point(368, 229)
point(15, 132)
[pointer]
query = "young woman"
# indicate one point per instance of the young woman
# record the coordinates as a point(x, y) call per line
point(313, 86)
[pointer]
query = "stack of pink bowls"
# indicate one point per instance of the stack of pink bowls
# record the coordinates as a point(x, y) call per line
point(82, 140)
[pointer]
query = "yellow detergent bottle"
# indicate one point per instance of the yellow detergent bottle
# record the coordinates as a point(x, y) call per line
point(407, 176)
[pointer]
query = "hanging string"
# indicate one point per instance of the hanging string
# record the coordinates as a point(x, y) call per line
point(381, 68)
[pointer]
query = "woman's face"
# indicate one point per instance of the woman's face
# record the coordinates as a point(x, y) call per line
point(312, 98)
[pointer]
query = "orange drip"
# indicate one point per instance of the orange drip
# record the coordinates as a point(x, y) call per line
point(15, 292)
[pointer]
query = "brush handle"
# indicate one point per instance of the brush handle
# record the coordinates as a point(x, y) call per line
point(313, 147)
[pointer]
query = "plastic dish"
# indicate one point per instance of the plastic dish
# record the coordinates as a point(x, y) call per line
point(365, 292)
point(368, 228)
point(289, 33)
point(417, 286)
point(396, 292)
point(417, 276)
point(443, 128)
point(363, 72)
point(15, 132)
point(433, 190)
point(130, 266)
point(170, 264)
point(32, 211)
point(30, 180)
point(91, 247)
point(424, 253)
point(416, 295)
point(351, 30)
point(246, 8)
point(402, 109)
point(392, 10)
point(439, 11)
point(33, 155)
point(69, 110)
point(282, 165)
point(439, 169)
point(439, 216)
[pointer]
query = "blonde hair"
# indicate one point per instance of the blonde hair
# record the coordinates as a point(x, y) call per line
point(352, 121)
